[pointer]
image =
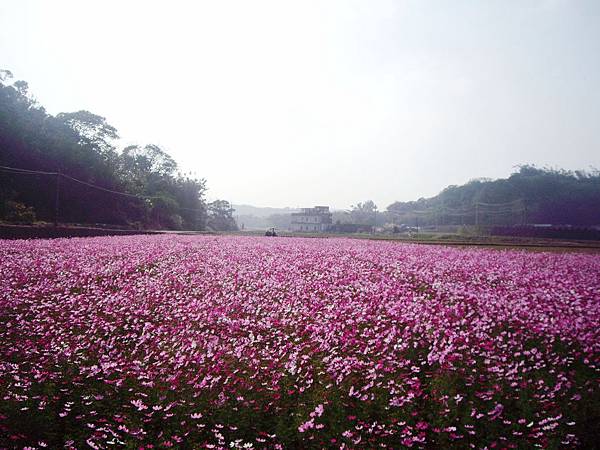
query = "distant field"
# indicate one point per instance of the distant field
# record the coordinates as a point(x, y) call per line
point(252, 342)
point(455, 239)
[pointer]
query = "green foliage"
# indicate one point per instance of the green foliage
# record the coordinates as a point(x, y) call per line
point(220, 216)
point(364, 213)
point(530, 195)
point(18, 212)
point(82, 145)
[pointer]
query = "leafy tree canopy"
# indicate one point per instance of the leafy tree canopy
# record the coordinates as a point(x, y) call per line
point(531, 194)
point(138, 186)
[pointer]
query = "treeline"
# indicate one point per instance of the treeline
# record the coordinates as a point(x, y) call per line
point(74, 172)
point(531, 195)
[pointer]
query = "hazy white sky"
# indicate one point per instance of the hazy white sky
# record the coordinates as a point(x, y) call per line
point(298, 103)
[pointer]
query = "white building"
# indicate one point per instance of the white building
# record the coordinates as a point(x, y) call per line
point(317, 219)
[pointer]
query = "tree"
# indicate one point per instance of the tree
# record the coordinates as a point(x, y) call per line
point(82, 146)
point(5, 75)
point(93, 131)
point(220, 216)
point(364, 213)
point(530, 194)
point(137, 161)
point(190, 196)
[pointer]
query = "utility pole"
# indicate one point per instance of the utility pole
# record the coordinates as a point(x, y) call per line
point(57, 199)
point(476, 214)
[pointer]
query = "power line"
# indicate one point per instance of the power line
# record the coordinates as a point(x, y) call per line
point(25, 171)
point(477, 211)
point(500, 211)
point(18, 171)
point(468, 210)
point(15, 170)
point(499, 204)
point(109, 190)
point(458, 214)
point(513, 211)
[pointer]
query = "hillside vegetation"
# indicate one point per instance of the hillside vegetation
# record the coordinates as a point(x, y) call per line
point(530, 195)
point(76, 154)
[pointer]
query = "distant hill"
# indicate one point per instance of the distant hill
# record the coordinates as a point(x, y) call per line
point(250, 217)
point(258, 211)
point(531, 195)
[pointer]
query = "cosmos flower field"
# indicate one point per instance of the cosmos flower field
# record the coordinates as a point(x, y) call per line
point(250, 342)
